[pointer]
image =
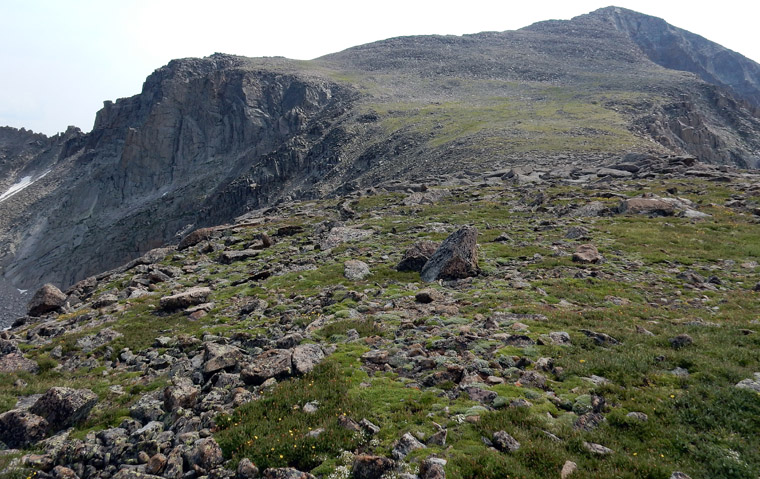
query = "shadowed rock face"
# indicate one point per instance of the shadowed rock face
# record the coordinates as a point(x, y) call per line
point(204, 141)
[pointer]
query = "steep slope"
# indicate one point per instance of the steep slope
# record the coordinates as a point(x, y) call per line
point(678, 49)
point(209, 139)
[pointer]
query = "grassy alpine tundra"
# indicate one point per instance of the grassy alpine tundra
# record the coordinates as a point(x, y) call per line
point(584, 322)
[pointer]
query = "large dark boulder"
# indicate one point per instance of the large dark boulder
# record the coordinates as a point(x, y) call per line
point(416, 256)
point(456, 258)
point(64, 407)
point(47, 299)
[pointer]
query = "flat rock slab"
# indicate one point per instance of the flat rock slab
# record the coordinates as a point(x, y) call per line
point(183, 300)
point(646, 206)
point(16, 363)
point(275, 363)
point(340, 235)
point(456, 258)
point(228, 257)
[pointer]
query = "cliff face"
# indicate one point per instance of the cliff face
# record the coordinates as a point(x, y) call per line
point(160, 162)
point(209, 139)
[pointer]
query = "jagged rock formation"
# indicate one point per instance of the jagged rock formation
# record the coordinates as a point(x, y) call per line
point(210, 139)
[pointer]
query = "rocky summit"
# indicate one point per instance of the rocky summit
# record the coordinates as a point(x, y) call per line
point(521, 254)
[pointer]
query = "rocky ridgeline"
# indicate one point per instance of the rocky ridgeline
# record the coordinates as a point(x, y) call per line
point(170, 431)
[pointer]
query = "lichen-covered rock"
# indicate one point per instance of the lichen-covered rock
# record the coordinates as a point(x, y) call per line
point(306, 357)
point(64, 407)
point(47, 299)
point(456, 258)
point(405, 445)
point(218, 357)
point(205, 455)
point(195, 237)
point(355, 270)
point(20, 428)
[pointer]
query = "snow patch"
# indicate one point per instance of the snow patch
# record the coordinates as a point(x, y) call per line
point(20, 185)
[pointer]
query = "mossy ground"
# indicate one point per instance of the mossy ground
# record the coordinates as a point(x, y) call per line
point(699, 424)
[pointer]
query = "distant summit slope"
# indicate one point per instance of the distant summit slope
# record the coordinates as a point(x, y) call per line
point(210, 139)
point(678, 49)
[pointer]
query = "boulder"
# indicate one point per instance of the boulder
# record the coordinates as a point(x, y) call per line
point(405, 445)
point(64, 407)
point(587, 253)
point(433, 468)
point(427, 296)
point(456, 258)
point(195, 237)
point(105, 336)
point(47, 299)
point(371, 467)
point(185, 299)
point(646, 206)
point(218, 357)
point(205, 455)
point(182, 394)
point(306, 357)
point(275, 363)
point(20, 428)
point(416, 256)
point(355, 270)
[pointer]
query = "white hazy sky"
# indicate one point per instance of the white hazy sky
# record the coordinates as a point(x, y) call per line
point(61, 59)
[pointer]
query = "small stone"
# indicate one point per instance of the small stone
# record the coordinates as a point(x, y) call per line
point(427, 296)
point(680, 341)
point(576, 232)
point(679, 475)
point(306, 357)
point(311, 407)
point(568, 468)
point(355, 270)
point(587, 253)
point(247, 469)
point(504, 442)
point(597, 449)
point(639, 416)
